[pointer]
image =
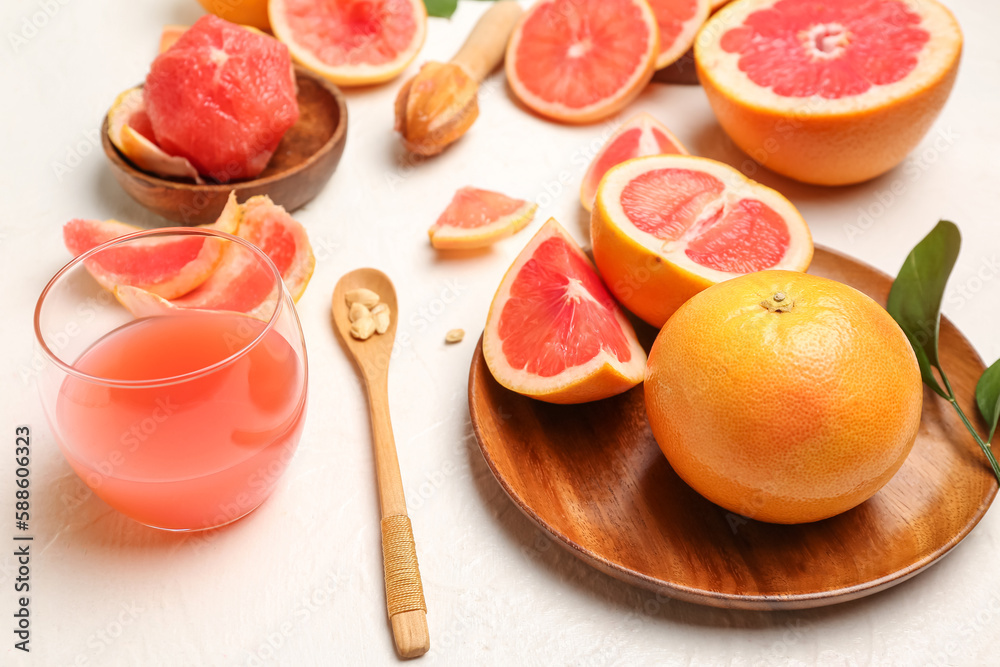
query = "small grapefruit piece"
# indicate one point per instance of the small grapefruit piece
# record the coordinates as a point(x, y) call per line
point(351, 42)
point(477, 218)
point(554, 332)
point(245, 12)
point(223, 97)
point(783, 397)
point(679, 22)
point(131, 132)
point(169, 36)
point(167, 267)
point(579, 61)
point(832, 92)
point(666, 227)
point(638, 136)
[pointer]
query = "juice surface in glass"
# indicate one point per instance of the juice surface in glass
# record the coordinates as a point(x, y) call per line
point(184, 453)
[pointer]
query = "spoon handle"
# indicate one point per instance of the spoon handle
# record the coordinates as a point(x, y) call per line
point(403, 589)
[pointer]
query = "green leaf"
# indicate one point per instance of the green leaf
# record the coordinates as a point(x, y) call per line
point(441, 8)
point(988, 397)
point(916, 294)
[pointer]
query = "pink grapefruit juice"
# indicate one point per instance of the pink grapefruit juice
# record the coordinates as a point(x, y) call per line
point(184, 453)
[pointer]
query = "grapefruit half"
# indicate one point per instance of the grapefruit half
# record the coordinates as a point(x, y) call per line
point(554, 332)
point(351, 42)
point(638, 136)
point(478, 218)
point(578, 61)
point(666, 227)
point(679, 22)
point(832, 92)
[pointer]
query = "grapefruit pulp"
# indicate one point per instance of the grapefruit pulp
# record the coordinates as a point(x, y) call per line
point(678, 22)
point(351, 42)
point(666, 227)
point(554, 332)
point(833, 92)
point(579, 61)
point(477, 218)
point(638, 136)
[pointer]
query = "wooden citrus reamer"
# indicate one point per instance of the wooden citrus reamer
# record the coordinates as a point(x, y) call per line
point(403, 589)
point(440, 103)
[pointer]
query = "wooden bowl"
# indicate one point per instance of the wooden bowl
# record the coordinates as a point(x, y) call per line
point(593, 478)
point(302, 164)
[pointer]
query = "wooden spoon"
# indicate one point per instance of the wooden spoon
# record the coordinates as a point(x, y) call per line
point(404, 592)
point(440, 103)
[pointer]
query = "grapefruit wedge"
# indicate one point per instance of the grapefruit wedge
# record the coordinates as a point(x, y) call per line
point(554, 332)
point(679, 22)
point(579, 61)
point(167, 267)
point(131, 132)
point(638, 136)
point(478, 218)
point(831, 92)
point(666, 227)
point(349, 42)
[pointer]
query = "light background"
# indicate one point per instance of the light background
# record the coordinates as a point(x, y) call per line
point(299, 582)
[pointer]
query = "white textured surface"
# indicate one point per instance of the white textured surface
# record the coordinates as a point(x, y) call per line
point(299, 581)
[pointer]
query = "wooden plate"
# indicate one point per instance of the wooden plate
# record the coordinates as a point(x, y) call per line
point(302, 164)
point(593, 477)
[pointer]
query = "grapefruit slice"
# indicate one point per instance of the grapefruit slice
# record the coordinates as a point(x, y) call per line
point(679, 22)
point(832, 92)
point(351, 43)
point(223, 97)
point(639, 135)
point(477, 218)
point(554, 332)
point(167, 267)
point(666, 227)
point(579, 61)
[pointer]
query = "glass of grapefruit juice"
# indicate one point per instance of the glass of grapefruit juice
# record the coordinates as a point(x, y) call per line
point(180, 418)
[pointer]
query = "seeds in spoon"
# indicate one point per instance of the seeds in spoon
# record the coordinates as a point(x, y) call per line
point(364, 296)
point(357, 312)
point(380, 313)
point(363, 327)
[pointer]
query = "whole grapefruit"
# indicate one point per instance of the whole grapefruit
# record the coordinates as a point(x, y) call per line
point(782, 396)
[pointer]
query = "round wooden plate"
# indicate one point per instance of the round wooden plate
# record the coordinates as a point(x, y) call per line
point(593, 477)
point(301, 165)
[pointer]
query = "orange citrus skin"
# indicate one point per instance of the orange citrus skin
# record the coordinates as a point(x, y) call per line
point(244, 12)
point(783, 410)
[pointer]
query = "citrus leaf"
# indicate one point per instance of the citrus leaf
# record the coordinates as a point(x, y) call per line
point(441, 8)
point(915, 298)
point(988, 397)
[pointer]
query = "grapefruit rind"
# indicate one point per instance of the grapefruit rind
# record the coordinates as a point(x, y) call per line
point(600, 110)
point(668, 55)
point(648, 145)
point(652, 277)
point(452, 237)
point(358, 74)
point(600, 377)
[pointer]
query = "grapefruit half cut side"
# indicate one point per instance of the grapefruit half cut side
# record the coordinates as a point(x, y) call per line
point(351, 43)
point(554, 332)
point(678, 22)
point(478, 218)
point(666, 227)
point(638, 136)
point(579, 61)
point(833, 92)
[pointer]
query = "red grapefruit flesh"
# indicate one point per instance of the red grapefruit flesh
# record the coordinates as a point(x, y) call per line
point(554, 332)
point(638, 136)
point(222, 97)
point(167, 267)
point(478, 218)
point(578, 61)
point(679, 22)
point(351, 42)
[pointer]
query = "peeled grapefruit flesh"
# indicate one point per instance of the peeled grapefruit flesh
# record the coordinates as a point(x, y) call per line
point(579, 61)
point(638, 136)
point(783, 397)
point(351, 42)
point(478, 218)
point(167, 266)
point(131, 132)
point(679, 22)
point(554, 332)
point(666, 227)
point(829, 93)
point(222, 97)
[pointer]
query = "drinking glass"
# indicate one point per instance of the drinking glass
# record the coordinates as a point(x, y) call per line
point(180, 418)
